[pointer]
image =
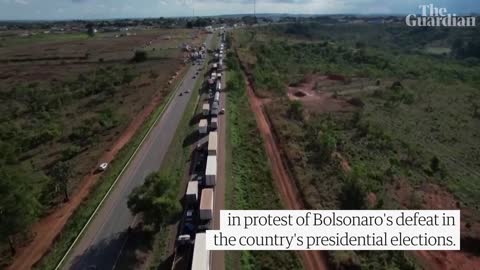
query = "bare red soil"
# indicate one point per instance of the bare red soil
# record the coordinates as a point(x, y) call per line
point(318, 101)
point(312, 260)
point(434, 197)
point(50, 227)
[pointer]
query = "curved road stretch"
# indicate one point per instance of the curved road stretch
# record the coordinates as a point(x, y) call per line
point(102, 242)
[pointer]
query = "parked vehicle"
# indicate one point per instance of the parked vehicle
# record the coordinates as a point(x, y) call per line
point(183, 239)
point(201, 256)
point(214, 123)
point(206, 204)
point(203, 126)
point(102, 167)
point(191, 195)
point(212, 143)
point(211, 171)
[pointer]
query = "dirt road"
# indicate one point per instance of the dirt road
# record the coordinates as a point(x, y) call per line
point(312, 260)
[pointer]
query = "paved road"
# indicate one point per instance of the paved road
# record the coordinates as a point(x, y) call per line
point(102, 242)
point(218, 257)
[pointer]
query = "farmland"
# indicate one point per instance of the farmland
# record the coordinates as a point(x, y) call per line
point(375, 117)
point(70, 100)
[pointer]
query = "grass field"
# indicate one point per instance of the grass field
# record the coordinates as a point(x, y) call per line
point(370, 109)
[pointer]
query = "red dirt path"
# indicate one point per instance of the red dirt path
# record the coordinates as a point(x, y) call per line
point(312, 260)
point(47, 229)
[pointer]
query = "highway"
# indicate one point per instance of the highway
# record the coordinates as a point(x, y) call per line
point(100, 247)
point(218, 257)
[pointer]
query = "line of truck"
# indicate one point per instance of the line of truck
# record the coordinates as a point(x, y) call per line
point(201, 256)
point(200, 193)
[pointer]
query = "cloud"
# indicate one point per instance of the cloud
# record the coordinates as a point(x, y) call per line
point(21, 2)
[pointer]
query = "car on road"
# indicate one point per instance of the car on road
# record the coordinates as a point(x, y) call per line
point(102, 167)
point(222, 111)
point(181, 94)
point(187, 91)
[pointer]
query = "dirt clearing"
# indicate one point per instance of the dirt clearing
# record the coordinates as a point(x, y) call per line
point(320, 101)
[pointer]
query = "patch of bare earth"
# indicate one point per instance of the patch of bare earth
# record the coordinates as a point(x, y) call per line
point(432, 196)
point(319, 100)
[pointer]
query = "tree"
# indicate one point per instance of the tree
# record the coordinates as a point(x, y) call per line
point(90, 29)
point(295, 110)
point(18, 204)
point(353, 194)
point(155, 199)
point(61, 173)
point(140, 56)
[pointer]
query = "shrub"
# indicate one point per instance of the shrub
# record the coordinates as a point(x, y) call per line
point(140, 56)
point(295, 110)
point(70, 152)
point(353, 194)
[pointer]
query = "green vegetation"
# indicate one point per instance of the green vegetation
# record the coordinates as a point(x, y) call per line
point(37, 120)
point(156, 200)
point(19, 204)
point(250, 184)
point(84, 212)
point(410, 120)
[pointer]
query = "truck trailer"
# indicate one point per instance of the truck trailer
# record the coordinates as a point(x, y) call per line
point(211, 171)
point(191, 196)
point(206, 109)
point(206, 204)
point(203, 126)
point(201, 256)
point(212, 143)
point(215, 108)
point(214, 123)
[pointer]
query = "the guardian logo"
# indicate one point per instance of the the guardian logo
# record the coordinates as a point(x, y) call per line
point(432, 16)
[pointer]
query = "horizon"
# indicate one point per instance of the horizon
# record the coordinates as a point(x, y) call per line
point(225, 15)
point(57, 10)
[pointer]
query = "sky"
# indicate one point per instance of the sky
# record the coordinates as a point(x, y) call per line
point(104, 9)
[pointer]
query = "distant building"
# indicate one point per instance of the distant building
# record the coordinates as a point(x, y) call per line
point(209, 29)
